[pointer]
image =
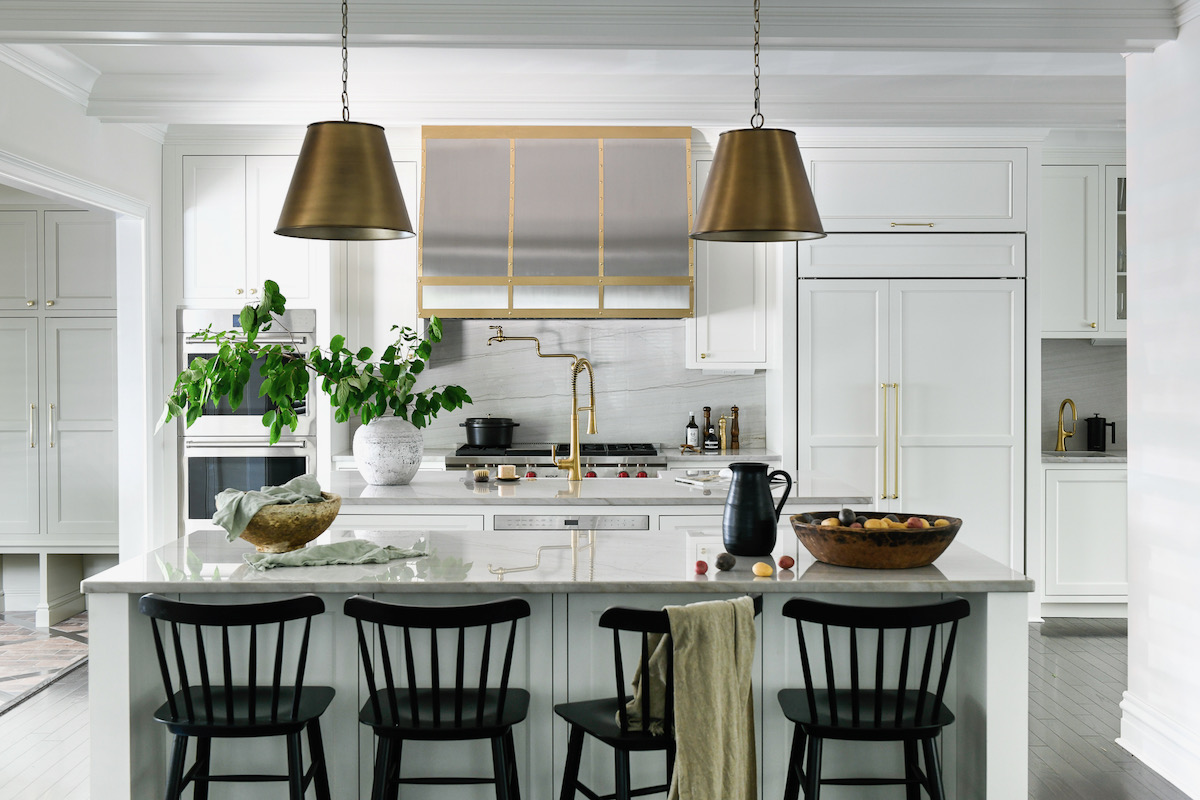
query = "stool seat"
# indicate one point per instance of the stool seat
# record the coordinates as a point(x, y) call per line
point(599, 719)
point(377, 713)
point(239, 724)
point(890, 727)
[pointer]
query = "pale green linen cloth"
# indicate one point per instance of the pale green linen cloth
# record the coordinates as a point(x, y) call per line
point(714, 703)
point(353, 551)
point(235, 508)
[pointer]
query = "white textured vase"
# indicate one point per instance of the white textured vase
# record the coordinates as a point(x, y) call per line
point(388, 450)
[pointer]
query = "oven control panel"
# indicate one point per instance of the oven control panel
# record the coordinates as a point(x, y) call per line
point(560, 522)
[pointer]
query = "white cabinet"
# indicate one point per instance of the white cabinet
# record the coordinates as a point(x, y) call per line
point(1086, 535)
point(230, 207)
point(1083, 251)
point(919, 189)
point(915, 390)
point(73, 269)
point(58, 423)
point(881, 255)
point(729, 329)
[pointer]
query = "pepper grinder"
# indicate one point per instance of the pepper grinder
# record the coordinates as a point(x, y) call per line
point(721, 436)
point(734, 444)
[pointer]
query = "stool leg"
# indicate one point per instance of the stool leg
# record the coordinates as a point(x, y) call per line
point(175, 774)
point(295, 767)
point(933, 770)
point(382, 762)
point(316, 751)
point(623, 780)
point(571, 770)
point(912, 789)
point(812, 782)
point(203, 760)
point(795, 773)
point(395, 755)
point(499, 769)
point(510, 757)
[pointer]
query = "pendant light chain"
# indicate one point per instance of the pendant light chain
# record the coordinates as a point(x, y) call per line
point(757, 120)
point(346, 63)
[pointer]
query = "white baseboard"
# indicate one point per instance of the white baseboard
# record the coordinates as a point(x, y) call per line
point(19, 600)
point(1086, 610)
point(1161, 743)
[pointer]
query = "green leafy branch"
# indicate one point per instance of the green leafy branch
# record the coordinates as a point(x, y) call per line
point(356, 384)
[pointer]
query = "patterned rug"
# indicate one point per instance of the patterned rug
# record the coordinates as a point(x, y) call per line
point(32, 658)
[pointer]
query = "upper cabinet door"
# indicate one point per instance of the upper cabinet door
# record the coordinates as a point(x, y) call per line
point(18, 260)
point(1115, 250)
point(80, 427)
point(81, 261)
point(921, 190)
point(875, 255)
point(20, 410)
point(1071, 226)
point(293, 263)
point(214, 228)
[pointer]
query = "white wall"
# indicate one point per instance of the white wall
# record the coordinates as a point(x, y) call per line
point(50, 146)
point(1161, 711)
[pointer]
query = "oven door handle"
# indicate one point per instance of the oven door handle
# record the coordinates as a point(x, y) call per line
point(300, 339)
point(215, 444)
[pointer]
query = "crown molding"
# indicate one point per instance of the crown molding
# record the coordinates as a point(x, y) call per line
point(30, 176)
point(1187, 11)
point(1059, 25)
point(53, 67)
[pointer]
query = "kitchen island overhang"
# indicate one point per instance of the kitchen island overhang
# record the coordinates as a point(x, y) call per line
point(561, 654)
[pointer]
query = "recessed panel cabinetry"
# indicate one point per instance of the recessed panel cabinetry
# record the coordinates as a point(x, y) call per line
point(61, 260)
point(1083, 290)
point(230, 207)
point(1086, 535)
point(915, 389)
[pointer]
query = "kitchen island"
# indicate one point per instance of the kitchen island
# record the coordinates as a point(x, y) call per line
point(568, 577)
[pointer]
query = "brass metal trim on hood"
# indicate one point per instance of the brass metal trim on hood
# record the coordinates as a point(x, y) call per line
point(469, 240)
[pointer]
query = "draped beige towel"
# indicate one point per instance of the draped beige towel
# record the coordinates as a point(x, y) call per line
point(714, 704)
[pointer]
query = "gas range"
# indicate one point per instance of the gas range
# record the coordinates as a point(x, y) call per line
point(599, 460)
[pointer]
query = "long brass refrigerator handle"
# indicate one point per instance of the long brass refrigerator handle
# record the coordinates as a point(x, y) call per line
point(884, 386)
point(50, 423)
point(32, 408)
point(896, 450)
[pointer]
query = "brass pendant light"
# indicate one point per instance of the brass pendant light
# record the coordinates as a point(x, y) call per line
point(344, 186)
point(757, 189)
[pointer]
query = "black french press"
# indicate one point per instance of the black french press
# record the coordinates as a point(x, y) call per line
point(1095, 432)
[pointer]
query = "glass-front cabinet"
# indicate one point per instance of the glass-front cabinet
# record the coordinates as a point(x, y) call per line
point(1115, 249)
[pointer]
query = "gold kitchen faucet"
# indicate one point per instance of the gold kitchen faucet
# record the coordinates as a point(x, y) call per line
point(571, 462)
point(1063, 434)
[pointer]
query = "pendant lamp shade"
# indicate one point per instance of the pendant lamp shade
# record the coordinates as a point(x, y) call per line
point(757, 191)
point(344, 186)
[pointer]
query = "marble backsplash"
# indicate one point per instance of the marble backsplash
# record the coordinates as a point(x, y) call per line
point(643, 391)
point(1094, 377)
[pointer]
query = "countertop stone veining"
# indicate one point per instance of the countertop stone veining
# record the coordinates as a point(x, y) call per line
point(1085, 457)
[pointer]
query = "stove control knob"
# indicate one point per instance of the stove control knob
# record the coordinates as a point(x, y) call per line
point(530, 474)
point(642, 474)
point(590, 474)
point(623, 473)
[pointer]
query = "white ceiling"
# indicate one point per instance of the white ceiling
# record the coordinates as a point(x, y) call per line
point(1045, 63)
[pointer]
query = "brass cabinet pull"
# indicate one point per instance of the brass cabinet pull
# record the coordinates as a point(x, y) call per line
point(239, 291)
point(884, 386)
point(49, 303)
point(32, 407)
point(912, 224)
point(1093, 325)
point(50, 423)
point(31, 303)
point(896, 451)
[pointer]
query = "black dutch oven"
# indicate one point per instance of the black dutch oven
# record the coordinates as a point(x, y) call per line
point(489, 431)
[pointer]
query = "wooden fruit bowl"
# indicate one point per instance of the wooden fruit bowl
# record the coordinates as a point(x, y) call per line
point(875, 548)
point(289, 526)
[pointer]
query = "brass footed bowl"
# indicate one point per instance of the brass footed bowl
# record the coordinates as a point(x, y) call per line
point(875, 548)
point(289, 526)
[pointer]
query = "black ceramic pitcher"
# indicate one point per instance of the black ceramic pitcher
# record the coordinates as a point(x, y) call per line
point(748, 527)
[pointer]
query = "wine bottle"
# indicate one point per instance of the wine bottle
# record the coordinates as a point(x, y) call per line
point(692, 431)
point(711, 442)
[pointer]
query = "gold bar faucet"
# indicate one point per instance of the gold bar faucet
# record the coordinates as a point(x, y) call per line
point(1063, 434)
point(571, 463)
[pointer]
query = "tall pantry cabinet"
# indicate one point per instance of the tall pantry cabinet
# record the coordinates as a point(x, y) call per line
point(911, 345)
point(58, 404)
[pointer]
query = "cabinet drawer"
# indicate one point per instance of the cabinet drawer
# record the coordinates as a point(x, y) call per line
point(931, 190)
point(407, 522)
point(874, 255)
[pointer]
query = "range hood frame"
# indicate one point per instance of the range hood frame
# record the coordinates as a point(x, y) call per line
point(431, 276)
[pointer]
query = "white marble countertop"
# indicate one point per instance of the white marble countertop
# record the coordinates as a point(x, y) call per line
point(1085, 457)
point(466, 561)
point(435, 458)
point(432, 488)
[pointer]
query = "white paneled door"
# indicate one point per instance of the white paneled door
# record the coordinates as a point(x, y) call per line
point(915, 389)
point(18, 260)
point(19, 411)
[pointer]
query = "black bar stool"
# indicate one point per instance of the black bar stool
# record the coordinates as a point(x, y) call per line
point(853, 707)
point(607, 719)
point(419, 707)
point(207, 706)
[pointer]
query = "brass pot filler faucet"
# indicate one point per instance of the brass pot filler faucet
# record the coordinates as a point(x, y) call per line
point(571, 462)
point(1063, 433)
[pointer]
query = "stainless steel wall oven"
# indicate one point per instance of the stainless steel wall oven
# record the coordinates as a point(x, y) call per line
point(211, 465)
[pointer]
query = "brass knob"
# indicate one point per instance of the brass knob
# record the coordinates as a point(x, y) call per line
point(49, 303)
point(239, 291)
point(254, 291)
point(31, 303)
point(1093, 324)
point(704, 355)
